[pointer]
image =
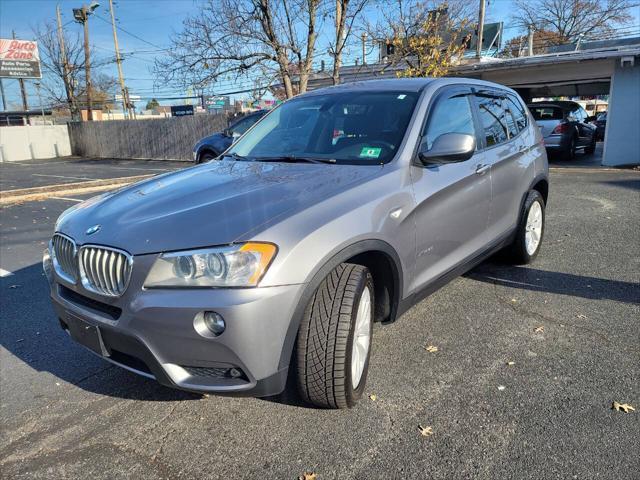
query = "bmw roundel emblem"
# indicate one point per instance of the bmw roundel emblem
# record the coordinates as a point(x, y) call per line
point(92, 230)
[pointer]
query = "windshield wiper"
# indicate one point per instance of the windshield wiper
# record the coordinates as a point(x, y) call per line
point(295, 159)
point(235, 156)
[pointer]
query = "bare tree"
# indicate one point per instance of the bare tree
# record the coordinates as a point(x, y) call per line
point(346, 13)
point(230, 39)
point(571, 19)
point(53, 72)
point(542, 40)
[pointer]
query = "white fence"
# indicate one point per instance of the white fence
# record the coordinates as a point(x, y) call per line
point(32, 142)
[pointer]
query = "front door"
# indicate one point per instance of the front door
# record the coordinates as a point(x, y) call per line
point(453, 199)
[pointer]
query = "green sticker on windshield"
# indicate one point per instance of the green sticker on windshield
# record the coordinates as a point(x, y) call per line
point(370, 152)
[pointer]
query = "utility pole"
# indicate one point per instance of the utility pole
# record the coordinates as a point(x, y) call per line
point(81, 15)
point(23, 91)
point(125, 100)
point(65, 64)
point(480, 29)
point(87, 63)
point(530, 41)
point(4, 99)
point(364, 48)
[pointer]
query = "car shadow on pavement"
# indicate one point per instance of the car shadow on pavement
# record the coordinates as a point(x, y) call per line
point(29, 330)
point(558, 283)
point(631, 184)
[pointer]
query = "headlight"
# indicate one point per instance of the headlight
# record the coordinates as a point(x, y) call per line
point(241, 265)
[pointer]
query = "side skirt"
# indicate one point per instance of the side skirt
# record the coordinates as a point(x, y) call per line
point(406, 303)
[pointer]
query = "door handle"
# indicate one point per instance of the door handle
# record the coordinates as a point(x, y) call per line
point(481, 169)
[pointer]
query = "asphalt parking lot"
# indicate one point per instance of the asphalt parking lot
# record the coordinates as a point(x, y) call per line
point(568, 322)
point(38, 173)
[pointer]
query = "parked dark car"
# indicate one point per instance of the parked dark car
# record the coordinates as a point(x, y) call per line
point(601, 125)
point(212, 146)
point(565, 127)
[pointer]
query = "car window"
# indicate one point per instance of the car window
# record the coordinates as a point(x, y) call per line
point(517, 111)
point(602, 117)
point(493, 119)
point(243, 125)
point(349, 127)
point(546, 112)
point(450, 115)
point(583, 114)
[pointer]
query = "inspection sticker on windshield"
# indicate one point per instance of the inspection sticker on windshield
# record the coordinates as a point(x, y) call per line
point(370, 152)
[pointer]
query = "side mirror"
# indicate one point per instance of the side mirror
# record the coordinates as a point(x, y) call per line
point(449, 148)
point(227, 132)
point(591, 119)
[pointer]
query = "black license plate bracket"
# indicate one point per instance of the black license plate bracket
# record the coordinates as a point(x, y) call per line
point(87, 334)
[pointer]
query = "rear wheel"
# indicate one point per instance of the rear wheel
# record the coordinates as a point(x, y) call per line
point(526, 244)
point(334, 341)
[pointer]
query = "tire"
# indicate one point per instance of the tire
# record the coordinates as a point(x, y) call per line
point(325, 346)
point(592, 146)
point(518, 252)
point(570, 153)
point(206, 157)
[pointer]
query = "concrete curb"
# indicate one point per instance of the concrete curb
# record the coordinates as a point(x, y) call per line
point(10, 197)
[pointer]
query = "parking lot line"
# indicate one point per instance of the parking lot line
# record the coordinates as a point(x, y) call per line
point(68, 199)
point(143, 169)
point(60, 176)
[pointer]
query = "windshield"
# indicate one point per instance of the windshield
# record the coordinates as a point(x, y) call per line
point(546, 113)
point(349, 127)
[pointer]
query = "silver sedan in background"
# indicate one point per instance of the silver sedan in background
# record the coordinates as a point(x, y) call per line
point(565, 127)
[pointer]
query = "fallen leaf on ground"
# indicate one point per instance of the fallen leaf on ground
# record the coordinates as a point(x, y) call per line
point(15, 286)
point(501, 387)
point(308, 476)
point(511, 363)
point(431, 348)
point(373, 397)
point(539, 329)
point(623, 407)
point(581, 317)
point(425, 431)
point(514, 300)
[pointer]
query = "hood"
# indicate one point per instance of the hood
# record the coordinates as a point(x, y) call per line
point(211, 204)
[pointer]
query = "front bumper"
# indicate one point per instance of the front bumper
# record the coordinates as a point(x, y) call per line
point(151, 332)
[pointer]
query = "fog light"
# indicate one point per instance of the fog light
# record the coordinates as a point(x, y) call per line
point(47, 264)
point(235, 373)
point(214, 322)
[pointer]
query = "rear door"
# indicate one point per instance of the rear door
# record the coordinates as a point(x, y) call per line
point(453, 199)
point(506, 148)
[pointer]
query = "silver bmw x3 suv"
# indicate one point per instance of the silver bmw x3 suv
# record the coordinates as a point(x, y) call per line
point(340, 208)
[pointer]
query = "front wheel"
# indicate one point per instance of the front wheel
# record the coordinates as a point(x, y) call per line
point(334, 340)
point(570, 153)
point(529, 233)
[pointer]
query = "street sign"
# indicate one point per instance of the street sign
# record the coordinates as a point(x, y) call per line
point(216, 102)
point(19, 59)
point(181, 110)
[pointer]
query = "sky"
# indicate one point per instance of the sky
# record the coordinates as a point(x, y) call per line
point(150, 24)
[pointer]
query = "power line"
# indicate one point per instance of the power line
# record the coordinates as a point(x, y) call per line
point(129, 33)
